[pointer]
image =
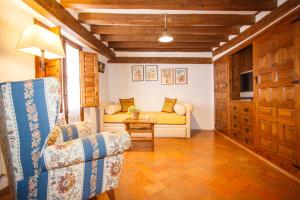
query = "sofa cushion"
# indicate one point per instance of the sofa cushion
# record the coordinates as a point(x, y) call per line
point(113, 108)
point(161, 118)
point(126, 103)
point(169, 105)
point(179, 109)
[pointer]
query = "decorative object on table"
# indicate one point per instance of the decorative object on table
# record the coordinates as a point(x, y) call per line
point(165, 37)
point(41, 42)
point(138, 73)
point(169, 105)
point(151, 72)
point(167, 76)
point(181, 76)
point(134, 112)
point(126, 103)
point(101, 67)
point(133, 126)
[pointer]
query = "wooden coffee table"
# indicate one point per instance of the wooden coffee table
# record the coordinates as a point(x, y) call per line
point(140, 126)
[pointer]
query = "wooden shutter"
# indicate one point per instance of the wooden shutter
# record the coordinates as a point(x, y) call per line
point(89, 79)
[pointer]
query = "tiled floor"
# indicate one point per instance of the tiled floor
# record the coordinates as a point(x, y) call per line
point(208, 166)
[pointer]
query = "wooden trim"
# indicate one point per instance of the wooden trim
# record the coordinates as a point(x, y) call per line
point(162, 60)
point(172, 20)
point(291, 176)
point(157, 30)
point(229, 5)
point(259, 27)
point(4, 191)
point(202, 49)
point(154, 38)
point(171, 45)
point(55, 12)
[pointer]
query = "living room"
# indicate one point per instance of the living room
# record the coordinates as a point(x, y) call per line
point(150, 100)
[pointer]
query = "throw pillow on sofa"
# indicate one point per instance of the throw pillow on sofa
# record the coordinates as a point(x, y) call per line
point(179, 109)
point(126, 103)
point(113, 108)
point(169, 105)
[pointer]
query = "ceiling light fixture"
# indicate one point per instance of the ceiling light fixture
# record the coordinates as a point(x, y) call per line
point(165, 37)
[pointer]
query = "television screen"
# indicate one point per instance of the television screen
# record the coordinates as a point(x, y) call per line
point(246, 81)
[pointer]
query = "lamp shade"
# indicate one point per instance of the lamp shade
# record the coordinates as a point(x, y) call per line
point(36, 39)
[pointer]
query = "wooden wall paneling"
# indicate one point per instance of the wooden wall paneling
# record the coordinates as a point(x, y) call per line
point(221, 78)
point(297, 89)
point(276, 100)
point(89, 79)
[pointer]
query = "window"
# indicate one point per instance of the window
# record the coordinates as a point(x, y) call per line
point(73, 83)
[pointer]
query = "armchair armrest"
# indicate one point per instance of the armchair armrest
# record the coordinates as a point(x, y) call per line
point(92, 147)
point(69, 132)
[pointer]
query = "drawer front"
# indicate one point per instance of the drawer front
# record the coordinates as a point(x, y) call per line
point(235, 117)
point(248, 140)
point(235, 108)
point(237, 135)
point(235, 126)
point(247, 120)
point(247, 130)
point(248, 110)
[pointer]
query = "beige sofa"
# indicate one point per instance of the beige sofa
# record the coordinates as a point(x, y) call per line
point(168, 124)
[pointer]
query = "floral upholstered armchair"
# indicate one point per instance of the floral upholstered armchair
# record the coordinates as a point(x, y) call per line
point(45, 161)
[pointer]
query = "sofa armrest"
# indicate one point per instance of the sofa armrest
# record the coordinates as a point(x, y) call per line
point(69, 132)
point(102, 107)
point(92, 147)
point(189, 110)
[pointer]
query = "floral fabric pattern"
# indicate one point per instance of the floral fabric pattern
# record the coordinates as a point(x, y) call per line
point(111, 172)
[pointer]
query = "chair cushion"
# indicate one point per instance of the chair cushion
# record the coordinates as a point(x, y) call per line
point(126, 103)
point(169, 105)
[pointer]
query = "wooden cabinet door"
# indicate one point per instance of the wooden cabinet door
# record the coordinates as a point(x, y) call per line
point(89, 79)
point(275, 66)
point(221, 74)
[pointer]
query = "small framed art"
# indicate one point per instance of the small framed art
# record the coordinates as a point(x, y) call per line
point(151, 72)
point(167, 76)
point(101, 67)
point(181, 76)
point(137, 73)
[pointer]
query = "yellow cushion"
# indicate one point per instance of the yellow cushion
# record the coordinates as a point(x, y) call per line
point(169, 105)
point(160, 117)
point(126, 103)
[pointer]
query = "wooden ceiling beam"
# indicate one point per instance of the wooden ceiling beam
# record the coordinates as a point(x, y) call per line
point(233, 5)
point(55, 12)
point(172, 20)
point(203, 49)
point(154, 38)
point(188, 30)
point(162, 60)
point(260, 25)
point(171, 45)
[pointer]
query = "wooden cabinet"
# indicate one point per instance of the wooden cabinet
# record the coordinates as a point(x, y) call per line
point(275, 66)
point(221, 77)
point(242, 123)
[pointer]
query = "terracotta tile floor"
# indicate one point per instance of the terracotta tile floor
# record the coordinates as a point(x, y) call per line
point(207, 166)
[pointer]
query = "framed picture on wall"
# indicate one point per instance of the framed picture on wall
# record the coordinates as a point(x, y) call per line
point(101, 67)
point(167, 76)
point(151, 72)
point(181, 76)
point(137, 73)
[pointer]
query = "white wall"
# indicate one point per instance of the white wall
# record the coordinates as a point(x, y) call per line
point(14, 65)
point(149, 95)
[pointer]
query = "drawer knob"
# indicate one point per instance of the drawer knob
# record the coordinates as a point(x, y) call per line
point(247, 140)
point(246, 110)
point(246, 120)
point(247, 130)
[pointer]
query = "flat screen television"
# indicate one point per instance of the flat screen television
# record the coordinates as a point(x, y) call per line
point(246, 85)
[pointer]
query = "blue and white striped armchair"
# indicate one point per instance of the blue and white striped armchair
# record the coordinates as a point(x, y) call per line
point(48, 162)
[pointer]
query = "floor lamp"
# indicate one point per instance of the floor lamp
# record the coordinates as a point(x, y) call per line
point(41, 42)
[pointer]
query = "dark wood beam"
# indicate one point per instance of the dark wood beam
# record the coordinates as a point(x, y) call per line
point(189, 30)
point(172, 20)
point(203, 49)
point(161, 60)
point(241, 5)
point(55, 12)
point(154, 38)
point(260, 25)
point(171, 45)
